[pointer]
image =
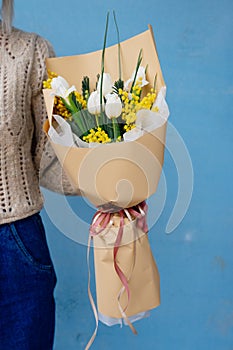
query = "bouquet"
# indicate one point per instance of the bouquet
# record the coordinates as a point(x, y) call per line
point(107, 124)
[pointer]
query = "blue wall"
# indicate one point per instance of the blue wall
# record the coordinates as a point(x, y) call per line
point(194, 41)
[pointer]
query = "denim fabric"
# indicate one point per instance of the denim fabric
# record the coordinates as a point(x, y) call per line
point(27, 281)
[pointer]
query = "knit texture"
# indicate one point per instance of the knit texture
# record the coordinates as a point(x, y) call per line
point(22, 140)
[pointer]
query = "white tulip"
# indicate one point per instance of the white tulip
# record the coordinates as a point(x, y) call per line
point(113, 107)
point(140, 78)
point(107, 84)
point(93, 103)
point(61, 87)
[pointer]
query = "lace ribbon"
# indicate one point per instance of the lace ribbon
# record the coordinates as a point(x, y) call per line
point(100, 222)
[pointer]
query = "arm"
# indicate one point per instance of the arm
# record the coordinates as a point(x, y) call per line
point(46, 163)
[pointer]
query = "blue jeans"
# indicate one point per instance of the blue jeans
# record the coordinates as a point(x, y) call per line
point(27, 281)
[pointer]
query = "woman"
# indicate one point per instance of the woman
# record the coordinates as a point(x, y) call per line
point(27, 277)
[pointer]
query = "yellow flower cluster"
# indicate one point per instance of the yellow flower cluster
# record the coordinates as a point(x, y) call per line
point(124, 95)
point(97, 135)
point(137, 89)
point(155, 109)
point(47, 83)
point(80, 99)
point(132, 104)
point(129, 127)
point(129, 113)
point(86, 95)
point(60, 109)
point(148, 100)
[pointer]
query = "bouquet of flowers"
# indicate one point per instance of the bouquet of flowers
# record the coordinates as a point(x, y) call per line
point(107, 125)
point(106, 114)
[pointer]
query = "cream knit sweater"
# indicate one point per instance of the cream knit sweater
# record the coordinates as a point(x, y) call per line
point(22, 140)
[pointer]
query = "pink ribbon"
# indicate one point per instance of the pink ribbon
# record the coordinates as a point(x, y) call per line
point(100, 222)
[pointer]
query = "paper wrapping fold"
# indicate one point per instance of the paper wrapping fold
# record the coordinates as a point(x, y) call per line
point(144, 283)
point(122, 174)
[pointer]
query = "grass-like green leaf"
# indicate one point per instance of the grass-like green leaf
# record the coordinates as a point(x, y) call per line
point(119, 45)
point(139, 61)
point(102, 60)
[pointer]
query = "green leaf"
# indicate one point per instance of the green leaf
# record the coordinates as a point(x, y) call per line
point(136, 70)
point(102, 60)
point(77, 118)
point(119, 84)
point(86, 87)
point(75, 102)
point(74, 127)
point(90, 120)
point(155, 81)
point(66, 104)
point(72, 103)
point(119, 45)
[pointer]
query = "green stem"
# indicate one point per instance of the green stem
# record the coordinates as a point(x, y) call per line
point(136, 70)
point(119, 46)
point(76, 113)
point(116, 130)
point(97, 120)
point(102, 62)
point(84, 120)
point(72, 109)
point(155, 81)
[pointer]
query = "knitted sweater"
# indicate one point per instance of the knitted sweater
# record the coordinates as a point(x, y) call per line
point(22, 114)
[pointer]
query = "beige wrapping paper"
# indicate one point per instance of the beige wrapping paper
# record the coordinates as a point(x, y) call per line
point(73, 68)
point(122, 174)
point(143, 274)
point(118, 174)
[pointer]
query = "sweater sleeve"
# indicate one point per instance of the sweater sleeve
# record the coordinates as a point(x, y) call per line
point(46, 163)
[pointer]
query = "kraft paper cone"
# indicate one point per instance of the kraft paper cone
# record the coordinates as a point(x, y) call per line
point(119, 174)
point(144, 283)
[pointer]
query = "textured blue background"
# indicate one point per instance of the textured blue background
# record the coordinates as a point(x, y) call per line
point(194, 41)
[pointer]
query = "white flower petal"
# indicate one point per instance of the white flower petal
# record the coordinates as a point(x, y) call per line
point(140, 78)
point(70, 90)
point(93, 103)
point(113, 107)
point(61, 87)
point(127, 83)
point(107, 84)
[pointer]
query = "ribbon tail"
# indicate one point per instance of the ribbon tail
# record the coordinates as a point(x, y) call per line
point(90, 342)
point(123, 314)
